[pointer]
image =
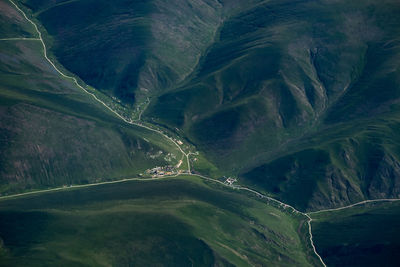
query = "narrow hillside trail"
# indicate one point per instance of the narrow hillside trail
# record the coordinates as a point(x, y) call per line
point(63, 188)
point(19, 39)
point(356, 204)
point(184, 154)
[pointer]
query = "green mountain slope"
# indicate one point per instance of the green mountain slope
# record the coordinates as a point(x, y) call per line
point(297, 98)
point(130, 49)
point(54, 134)
point(300, 99)
point(168, 223)
point(336, 166)
point(13, 24)
point(359, 236)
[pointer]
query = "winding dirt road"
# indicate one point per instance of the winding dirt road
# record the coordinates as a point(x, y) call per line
point(170, 139)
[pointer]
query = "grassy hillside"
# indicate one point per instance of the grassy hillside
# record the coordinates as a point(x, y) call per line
point(13, 24)
point(297, 98)
point(52, 133)
point(276, 69)
point(130, 49)
point(165, 223)
point(336, 166)
point(360, 236)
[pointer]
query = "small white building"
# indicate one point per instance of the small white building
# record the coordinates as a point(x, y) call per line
point(230, 180)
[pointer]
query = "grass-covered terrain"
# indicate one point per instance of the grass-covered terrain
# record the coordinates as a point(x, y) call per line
point(352, 153)
point(130, 49)
point(298, 99)
point(13, 24)
point(277, 69)
point(54, 134)
point(366, 235)
point(336, 166)
point(170, 222)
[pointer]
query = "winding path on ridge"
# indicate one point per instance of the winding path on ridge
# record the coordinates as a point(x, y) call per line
point(184, 154)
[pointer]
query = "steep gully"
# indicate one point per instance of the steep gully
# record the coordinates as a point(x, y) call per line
point(184, 154)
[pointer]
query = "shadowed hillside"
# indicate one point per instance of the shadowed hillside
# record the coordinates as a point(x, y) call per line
point(297, 100)
point(365, 235)
point(300, 98)
point(286, 94)
point(51, 132)
point(130, 49)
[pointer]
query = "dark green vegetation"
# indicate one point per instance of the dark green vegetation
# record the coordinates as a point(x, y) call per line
point(12, 23)
point(173, 222)
point(130, 48)
point(298, 98)
point(361, 236)
point(52, 133)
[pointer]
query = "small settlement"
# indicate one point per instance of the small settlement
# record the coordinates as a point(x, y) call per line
point(230, 181)
point(164, 171)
